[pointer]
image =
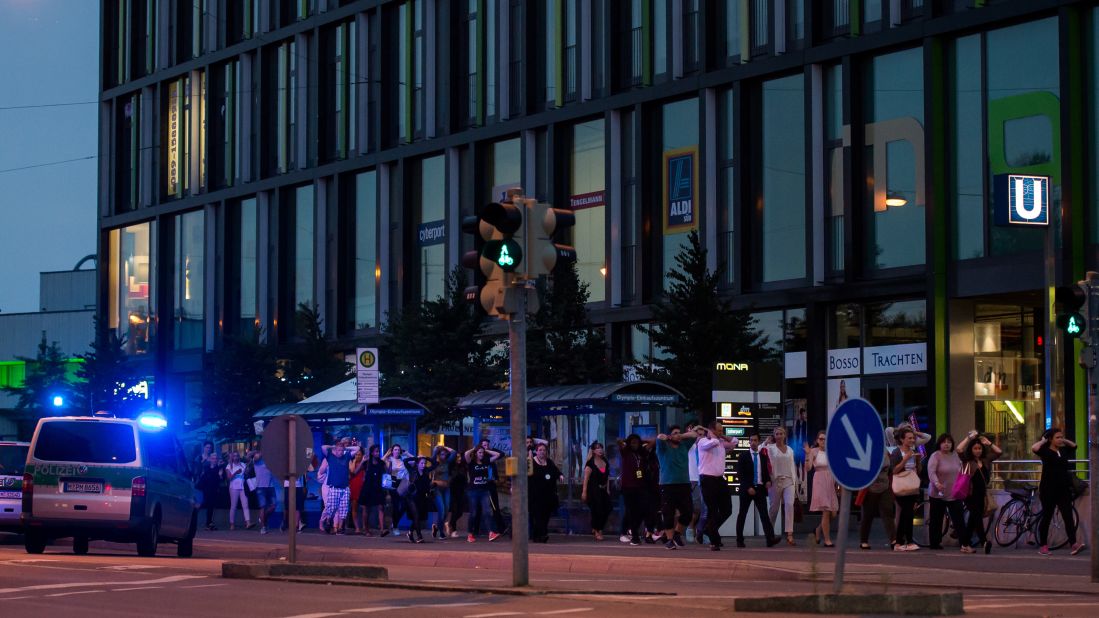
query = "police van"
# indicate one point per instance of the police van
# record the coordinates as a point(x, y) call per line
point(121, 480)
point(13, 456)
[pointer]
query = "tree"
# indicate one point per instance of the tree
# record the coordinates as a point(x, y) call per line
point(562, 345)
point(434, 352)
point(242, 379)
point(695, 327)
point(315, 364)
point(105, 377)
point(46, 378)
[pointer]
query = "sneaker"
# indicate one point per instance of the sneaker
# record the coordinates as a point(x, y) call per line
point(988, 547)
point(966, 549)
point(1044, 550)
point(678, 539)
point(771, 542)
point(1077, 548)
point(411, 537)
point(470, 538)
point(670, 545)
point(625, 538)
point(455, 534)
point(249, 525)
point(899, 547)
point(635, 542)
point(912, 547)
point(650, 540)
point(301, 526)
point(492, 536)
point(263, 530)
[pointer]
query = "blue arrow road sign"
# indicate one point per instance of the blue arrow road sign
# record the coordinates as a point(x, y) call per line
point(855, 444)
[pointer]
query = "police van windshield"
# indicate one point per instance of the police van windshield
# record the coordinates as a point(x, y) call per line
point(86, 442)
point(13, 457)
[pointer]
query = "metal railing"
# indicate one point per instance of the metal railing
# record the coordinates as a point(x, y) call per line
point(1025, 473)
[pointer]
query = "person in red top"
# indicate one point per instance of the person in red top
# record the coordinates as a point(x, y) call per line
point(358, 473)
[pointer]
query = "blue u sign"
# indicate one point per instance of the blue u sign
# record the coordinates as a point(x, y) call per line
point(1021, 199)
point(855, 444)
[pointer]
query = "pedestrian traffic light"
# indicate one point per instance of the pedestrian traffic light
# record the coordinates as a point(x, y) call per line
point(543, 222)
point(472, 259)
point(505, 247)
point(1073, 317)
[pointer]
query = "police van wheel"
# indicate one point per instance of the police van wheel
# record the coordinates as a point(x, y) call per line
point(80, 545)
point(185, 547)
point(150, 538)
point(34, 544)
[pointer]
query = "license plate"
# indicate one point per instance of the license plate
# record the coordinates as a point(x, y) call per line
point(11, 494)
point(83, 487)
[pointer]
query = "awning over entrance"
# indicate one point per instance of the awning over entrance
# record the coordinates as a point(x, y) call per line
point(579, 397)
point(340, 402)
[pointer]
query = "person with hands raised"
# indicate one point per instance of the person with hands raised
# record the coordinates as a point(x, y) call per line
point(596, 491)
point(675, 484)
point(1055, 486)
point(905, 460)
point(712, 447)
point(977, 453)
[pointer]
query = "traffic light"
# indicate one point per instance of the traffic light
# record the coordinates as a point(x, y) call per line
point(497, 253)
point(504, 249)
point(1073, 318)
point(543, 222)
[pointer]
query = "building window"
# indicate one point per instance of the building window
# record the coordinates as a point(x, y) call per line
point(517, 75)
point(286, 112)
point(729, 15)
point(248, 268)
point(189, 268)
point(795, 24)
point(225, 154)
point(845, 327)
point(692, 35)
point(838, 14)
point(411, 68)
point(759, 16)
point(726, 172)
point(418, 67)
point(506, 165)
point(367, 268)
point(185, 135)
point(491, 39)
point(1008, 379)
point(679, 203)
point(431, 228)
point(132, 277)
point(967, 137)
point(341, 79)
point(128, 153)
point(550, 50)
point(588, 200)
point(660, 37)
point(473, 64)
point(834, 188)
point(632, 216)
point(896, 323)
point(872, 15)
point(572, 48)
point(303, 247)
point(782, 211)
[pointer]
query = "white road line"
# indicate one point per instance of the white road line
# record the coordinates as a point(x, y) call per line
point(578, 610)
point(15, 598)
point(202, 586)
point(313, 615)
point(130, 567)
point(140, 588)
point(67, 594)
point(386, 608)
point(492, 615)
point(162, 580)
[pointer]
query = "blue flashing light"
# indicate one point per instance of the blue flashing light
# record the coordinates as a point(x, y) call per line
point(152, 420)
point(58, 401)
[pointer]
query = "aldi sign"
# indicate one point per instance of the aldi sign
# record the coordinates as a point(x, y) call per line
point(680, 203)
point(1021, 199)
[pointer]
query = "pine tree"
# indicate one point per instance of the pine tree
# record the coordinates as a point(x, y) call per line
point(46, 378)
point(242, 378)
point(316, 364)
point(695, 327)
point(435, 353)
point(563, 347)
point(105, 376)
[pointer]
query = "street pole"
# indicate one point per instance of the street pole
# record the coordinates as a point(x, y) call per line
point(292, 503)
point(1092, 279)
point(841, 540)
point(517, 337)
point(1055, 405)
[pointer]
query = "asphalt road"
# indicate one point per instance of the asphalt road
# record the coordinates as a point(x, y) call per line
point(112, 582)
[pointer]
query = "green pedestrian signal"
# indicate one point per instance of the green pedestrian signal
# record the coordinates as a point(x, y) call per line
point(506, 253)
point(1074, 324)
point(1073, 327)
point(505, 258)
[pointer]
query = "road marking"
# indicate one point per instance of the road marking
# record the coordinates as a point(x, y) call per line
point(31, 561)
point(162, 580)
point(494, 614)
point(141, 588)
point(130, 567)
point(577, 610)
point(67, 594)
point(386, 608)
point(202, 586)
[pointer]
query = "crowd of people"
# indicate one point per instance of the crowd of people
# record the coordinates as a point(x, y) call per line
point(669, 484)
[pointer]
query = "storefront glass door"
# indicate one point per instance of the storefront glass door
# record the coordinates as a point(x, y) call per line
point(900, 398)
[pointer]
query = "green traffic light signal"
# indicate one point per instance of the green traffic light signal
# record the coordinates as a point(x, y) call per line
point(1074, 324)
point(507, 254)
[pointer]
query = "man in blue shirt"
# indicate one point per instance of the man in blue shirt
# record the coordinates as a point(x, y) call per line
point(675, 483)
point(337, 461)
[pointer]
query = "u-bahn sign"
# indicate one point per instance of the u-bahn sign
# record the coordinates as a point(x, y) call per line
point(1021, 199)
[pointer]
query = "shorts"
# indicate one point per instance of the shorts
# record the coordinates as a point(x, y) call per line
point(339, 499)
point(676, 497)
point(265, 496)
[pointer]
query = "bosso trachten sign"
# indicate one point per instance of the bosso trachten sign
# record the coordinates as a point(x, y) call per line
point(902, 358)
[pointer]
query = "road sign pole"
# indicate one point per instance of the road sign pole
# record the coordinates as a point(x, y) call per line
point(517, 336)
point(1093, 426)
point(841, 540)
point(292, 503)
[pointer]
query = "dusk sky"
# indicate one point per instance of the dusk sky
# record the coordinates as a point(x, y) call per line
point(49, 52)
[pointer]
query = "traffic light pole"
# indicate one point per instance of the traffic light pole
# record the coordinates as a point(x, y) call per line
point(1092, 279)
point(517, 338)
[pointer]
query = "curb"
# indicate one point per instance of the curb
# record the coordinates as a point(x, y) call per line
point(949, 604)
point(261, 570)
point(526, 591)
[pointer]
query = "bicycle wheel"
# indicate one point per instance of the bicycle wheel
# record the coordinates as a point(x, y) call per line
point(1058, 532)
point(1010, 523)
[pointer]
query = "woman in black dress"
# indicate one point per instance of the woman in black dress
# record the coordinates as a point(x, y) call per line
point(418, 498)
point(542, 489)
point(596, 490)
point(977, 454)
point(372, 496)
point(458, 480)
point(1055, 486)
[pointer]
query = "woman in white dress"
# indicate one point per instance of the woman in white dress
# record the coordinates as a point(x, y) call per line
point(781, 457)
point(824, 501)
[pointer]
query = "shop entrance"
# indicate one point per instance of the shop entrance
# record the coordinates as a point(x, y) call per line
point(899, 398)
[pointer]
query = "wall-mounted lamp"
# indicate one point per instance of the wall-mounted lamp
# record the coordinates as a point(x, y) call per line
point(895, 200)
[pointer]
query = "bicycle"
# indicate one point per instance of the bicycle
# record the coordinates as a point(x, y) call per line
point(1022, 514)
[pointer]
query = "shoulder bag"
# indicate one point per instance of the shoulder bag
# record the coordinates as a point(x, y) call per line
point(387, 481)
point(907, 483)
point(962, 485)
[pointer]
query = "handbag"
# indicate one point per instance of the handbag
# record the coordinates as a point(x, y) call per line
point(1079, 486)
point(907, 483)
point(252, 482)
point(962, 485)
point(387, 481)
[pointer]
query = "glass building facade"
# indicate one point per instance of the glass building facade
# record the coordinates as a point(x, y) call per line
point(838, 159)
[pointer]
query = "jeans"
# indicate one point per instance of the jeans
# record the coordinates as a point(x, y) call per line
point(480, 506)
point(237, 496)
point(907, 510)
point(442, 505)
